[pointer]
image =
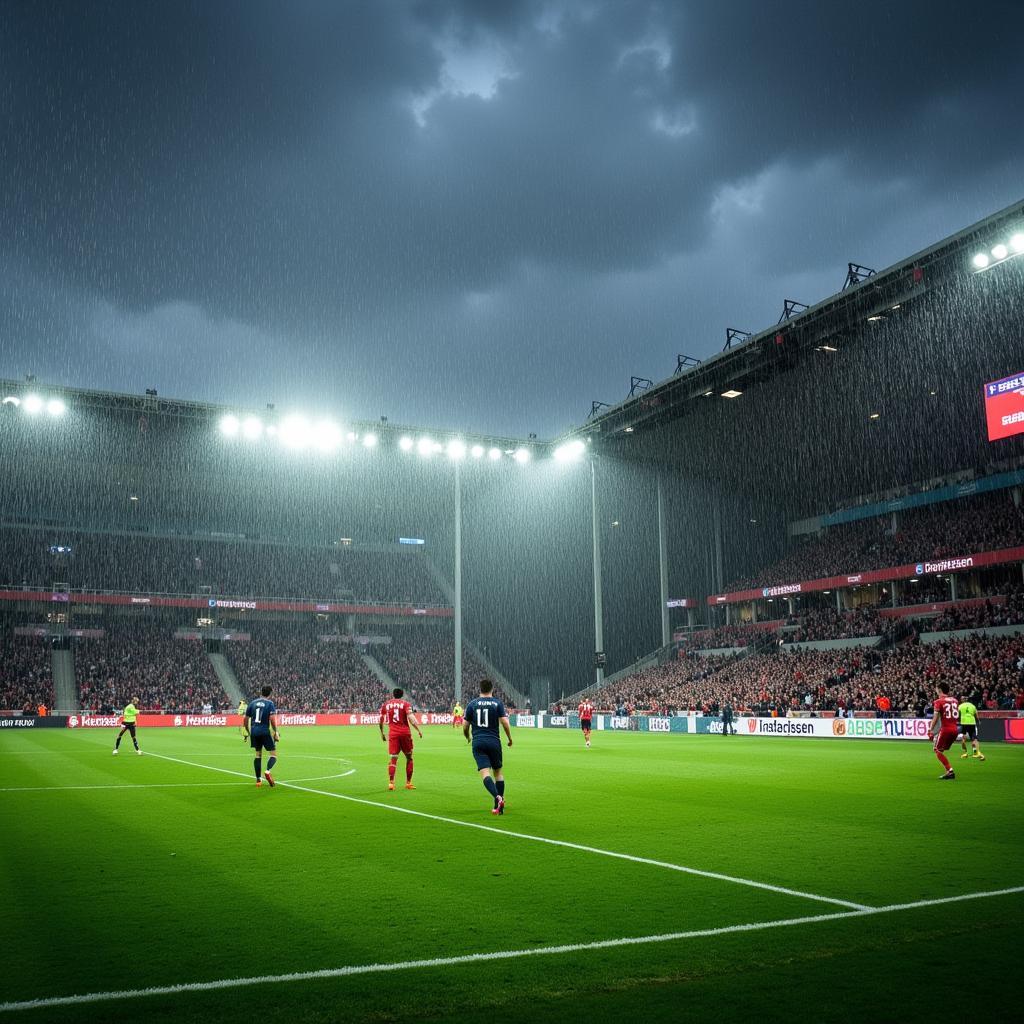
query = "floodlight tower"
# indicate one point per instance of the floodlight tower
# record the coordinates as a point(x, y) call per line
point(458, 581)
point(663, 566)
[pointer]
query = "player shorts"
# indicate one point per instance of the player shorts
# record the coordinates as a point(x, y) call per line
point(487, 753)
point(585, 724)
point(970, 731)
point(399, 744)
point(944, 740)
point(458, 720)
point(130, 726)
point(262, 741)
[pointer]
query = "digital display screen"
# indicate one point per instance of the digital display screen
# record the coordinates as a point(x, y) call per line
point(1004, 407)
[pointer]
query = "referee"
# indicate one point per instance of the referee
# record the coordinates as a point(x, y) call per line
point(131, 713)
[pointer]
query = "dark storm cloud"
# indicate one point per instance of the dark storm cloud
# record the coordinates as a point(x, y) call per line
point(520, 204)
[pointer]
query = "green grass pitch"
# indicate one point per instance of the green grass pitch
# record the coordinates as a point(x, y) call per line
point(130, 873)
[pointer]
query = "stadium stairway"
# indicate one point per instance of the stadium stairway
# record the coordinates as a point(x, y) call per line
point(378, 670)
point(65, 691)
point(497, 676)
point(495, 673)
point(226, 676)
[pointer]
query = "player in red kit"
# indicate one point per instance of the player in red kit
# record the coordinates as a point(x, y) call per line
point(397, 715)
point(586, 713)
point(944, 726)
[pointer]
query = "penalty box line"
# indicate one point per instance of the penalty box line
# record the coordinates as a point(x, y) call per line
point(472, 958)
point(782, 890)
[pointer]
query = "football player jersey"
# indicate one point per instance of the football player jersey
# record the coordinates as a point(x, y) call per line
point(395, 715)
point(949, 713)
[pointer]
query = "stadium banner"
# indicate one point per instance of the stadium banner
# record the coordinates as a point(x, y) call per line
point(33, 721)
point(661, 723)
point(964, 489)
point(59, 631)
point(285, 719)
point(958, 563)
point(163, 601)
point(1014, 730)
point(836, 728)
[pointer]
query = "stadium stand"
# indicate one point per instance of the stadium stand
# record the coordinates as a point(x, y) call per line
point(984, 523)
point(143, 660)
point(984, 615)
point(307, 674)
point(145, 564)
point(25, 675)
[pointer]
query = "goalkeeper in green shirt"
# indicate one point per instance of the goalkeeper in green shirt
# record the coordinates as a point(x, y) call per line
point(969, 730)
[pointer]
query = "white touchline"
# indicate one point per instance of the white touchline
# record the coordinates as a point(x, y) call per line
point(156, 785)
point(472, 958)
point(544, 839)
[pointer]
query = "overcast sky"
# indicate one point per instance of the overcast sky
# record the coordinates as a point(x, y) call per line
point(476, 215)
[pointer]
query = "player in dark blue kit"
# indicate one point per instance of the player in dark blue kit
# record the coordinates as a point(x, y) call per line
point(261, 726)
point(483, 715)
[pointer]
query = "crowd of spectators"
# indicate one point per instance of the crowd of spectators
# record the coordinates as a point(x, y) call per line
point(812, 624)
point(663, 688)
point(145, 564)
point(26, 681)
point(988, 670)
point(739, 634)
point(977, 616)
point(144, 661)
point(307, 674)
point(832, 624)
point(985, 523)
point(985, 669)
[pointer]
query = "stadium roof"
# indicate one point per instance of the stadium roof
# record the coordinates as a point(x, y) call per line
point(759, 357)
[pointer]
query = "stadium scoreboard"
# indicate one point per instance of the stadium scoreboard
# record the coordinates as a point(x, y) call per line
point(1004, 407)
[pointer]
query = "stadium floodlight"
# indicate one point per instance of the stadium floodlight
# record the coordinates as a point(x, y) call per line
point(295, 432)
point(32, 404)
point(731, 393)
point(456, 449)
point(1000, 252)
point(272, 430)
point(1017, 242)
point(252, 428)
point(352, 435)
point(55, 407)
point(327, 435)
point(494, 454)
point(980, 260)
point(570, 451)
point(522, 456)
point(12, 400)
point(407, 444)
point(229, 425)
point(425, 447)
point(477, 451)
point(369, 440)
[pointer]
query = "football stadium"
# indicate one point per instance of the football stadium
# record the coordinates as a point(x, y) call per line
point(758, 572)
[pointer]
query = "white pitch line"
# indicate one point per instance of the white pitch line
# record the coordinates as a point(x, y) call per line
point(156, 785)
point(120, 785)
point(472, 958)
point(551, 842)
